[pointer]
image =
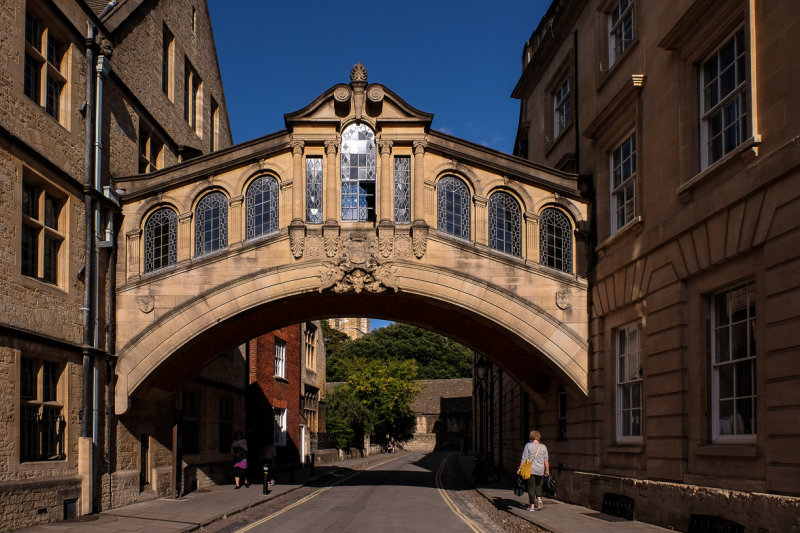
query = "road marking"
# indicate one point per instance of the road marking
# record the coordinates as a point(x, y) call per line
point(309, 497)
point(449, 501)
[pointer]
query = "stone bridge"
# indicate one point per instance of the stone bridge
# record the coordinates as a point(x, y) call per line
point(357, 208)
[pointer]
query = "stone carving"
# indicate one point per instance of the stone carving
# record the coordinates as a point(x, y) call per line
point(332, 243)
point(297, 237)
point(563, 300)
point(402, 246)
point(385, 245)
point(358, 269)
point(313, 246)
point(375, 93)
point(358, 73)
point(146, 303)
point(419, 240)
point(341, 93)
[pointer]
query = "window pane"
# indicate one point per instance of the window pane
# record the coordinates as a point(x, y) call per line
point(51, 248)
point(261, 207)
point(358, 164)
point(211, 224)
point(555, 240)
point(402, 189)
point(27, 381)
point(30, 251)
point(161, 240)
point(454, 199)
point(505, 224)
point(314, 189)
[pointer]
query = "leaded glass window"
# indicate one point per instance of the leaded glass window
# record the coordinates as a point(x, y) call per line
point(358, 173)
point(314, 189)
point(211, 224)
point(505, 224)
point(402, 189)
point(261, 207)
point(161, 239)
point(453, 202)
point(555, 240)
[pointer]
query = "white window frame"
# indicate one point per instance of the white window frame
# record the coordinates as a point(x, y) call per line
point(626, 381)
point(624, 13)
point(562, 106)
point(280, 358)
point(310, 339)
point(740, 92)
point(617, 163)
point(279, 426)
point(726, 327)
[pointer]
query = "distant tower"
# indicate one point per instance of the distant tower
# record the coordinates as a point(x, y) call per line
point(353, 327)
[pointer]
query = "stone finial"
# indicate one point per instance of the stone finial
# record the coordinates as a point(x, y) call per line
point(358, 73)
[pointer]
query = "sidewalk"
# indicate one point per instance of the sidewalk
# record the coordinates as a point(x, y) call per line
point(556, 517)
point(196, 509)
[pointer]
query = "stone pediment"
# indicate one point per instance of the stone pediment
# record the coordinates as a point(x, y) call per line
point(356, 100)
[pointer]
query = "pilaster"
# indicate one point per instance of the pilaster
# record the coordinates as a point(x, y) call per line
point(481, 233)
point(235, 233)
point(331, 183)
point(418, 185)
point(531, 237)
point(184, 237)
point(134, 246)
point(385, 188)
point(298, 181)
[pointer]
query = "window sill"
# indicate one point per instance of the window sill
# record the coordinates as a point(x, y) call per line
point(635, 226)
point(747, 150)
point(281, 378)
point(605, 75)
point(728, 450)
point(551, 144)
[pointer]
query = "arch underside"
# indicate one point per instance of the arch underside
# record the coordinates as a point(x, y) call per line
point(519, 336)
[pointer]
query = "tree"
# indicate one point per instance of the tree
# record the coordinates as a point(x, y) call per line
point(437, 357)
point(375, 400)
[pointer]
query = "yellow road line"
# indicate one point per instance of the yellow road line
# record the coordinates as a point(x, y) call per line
point(305, 499)
point(450, 503)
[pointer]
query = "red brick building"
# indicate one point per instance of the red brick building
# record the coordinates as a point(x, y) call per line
point(285, 393)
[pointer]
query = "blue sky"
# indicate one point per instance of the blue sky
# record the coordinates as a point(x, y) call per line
point(459, 60)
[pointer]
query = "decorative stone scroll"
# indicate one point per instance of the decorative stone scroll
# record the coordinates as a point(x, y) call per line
point(297, 235)
point(419, 239)
point(358, 269)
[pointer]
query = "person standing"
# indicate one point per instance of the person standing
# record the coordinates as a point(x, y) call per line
point(540, 468)
point(239, 452)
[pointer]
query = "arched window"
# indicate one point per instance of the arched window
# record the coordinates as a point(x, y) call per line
point(160, 239)
point(211, 224)
point(555, 240)
point(358, 173)
point(505, 225)
point(261, 207)
point(453, 201)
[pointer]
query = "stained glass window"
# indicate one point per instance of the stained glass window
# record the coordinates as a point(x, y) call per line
point(161, 239)
point(454, 207)
point(211, 224)
point(314, 189)
point(261, 207)
point(402, 189)
point(555, 240)
point(505, 224)
point(358, 173)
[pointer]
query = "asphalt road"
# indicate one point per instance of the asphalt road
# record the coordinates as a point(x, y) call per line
point(404, 492)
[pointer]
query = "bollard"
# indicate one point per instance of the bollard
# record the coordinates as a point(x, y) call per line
point(313, 461)
point(266, 478)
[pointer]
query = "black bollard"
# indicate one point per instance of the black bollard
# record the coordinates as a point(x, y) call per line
point(266, 478)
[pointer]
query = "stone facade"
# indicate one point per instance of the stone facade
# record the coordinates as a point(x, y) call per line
point(444, 416)
point(354, 327)
point(49, 191)
point(691, 234)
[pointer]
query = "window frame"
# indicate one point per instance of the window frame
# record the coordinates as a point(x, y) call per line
point(172, 240)
point(151, 150)
point(614, 56)
point(310, 344)
point(401, 184)
point(280, 358)
point(752, 358)
point(623, 387)
point(358, 194)
point(739, 92)
point(315, 195)
point(567, 255)
point(201, 248)
point(630, 140)
point(280, 426)
point(46, 230)
point(462, 230)
point(561, 101)
point(40, 401)
point(270, 209)
point(512, 245)
point(193, 98)
point(51, 65)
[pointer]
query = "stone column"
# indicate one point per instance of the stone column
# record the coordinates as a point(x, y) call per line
point(531, 237)
point(418, 185)
point(184, 237)
point(385, 187)
point(481, 234)
point(134, 243)
point(331, 183)
point(298, 182)
point(235, 226)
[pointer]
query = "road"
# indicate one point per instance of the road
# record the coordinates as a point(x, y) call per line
point(401, 493)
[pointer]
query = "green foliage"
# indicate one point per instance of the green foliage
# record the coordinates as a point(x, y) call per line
point(437, 357)
point(375, 400)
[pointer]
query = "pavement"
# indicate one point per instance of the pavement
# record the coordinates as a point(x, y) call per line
point(203, 507)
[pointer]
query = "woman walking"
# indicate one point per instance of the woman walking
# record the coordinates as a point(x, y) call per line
point(536, 452)
point(239, 452)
